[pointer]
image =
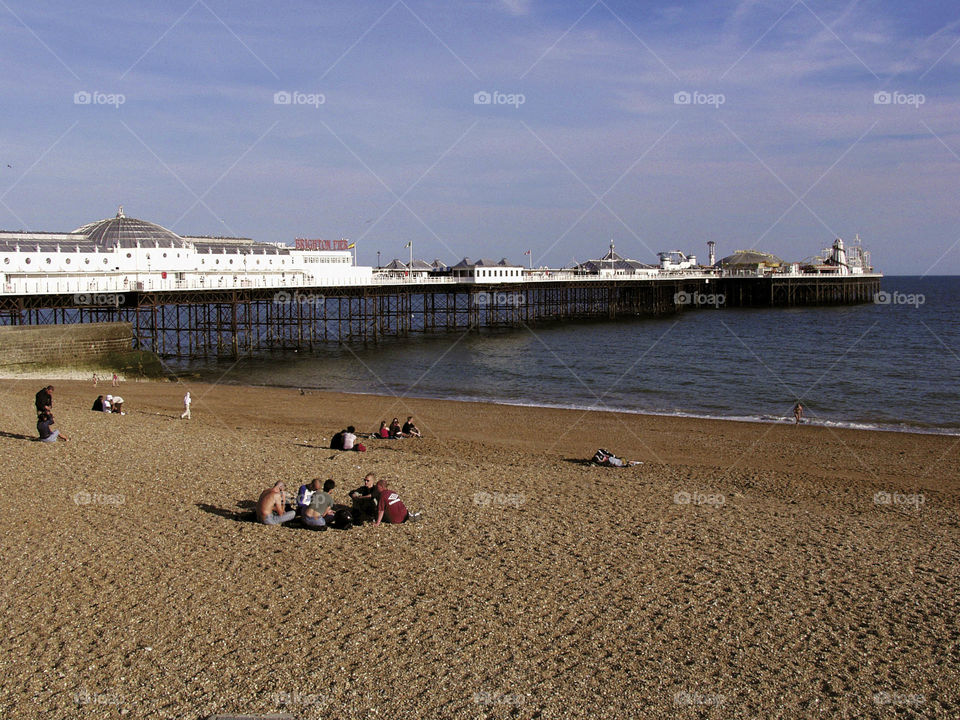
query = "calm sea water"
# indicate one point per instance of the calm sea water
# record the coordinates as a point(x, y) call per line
point(889, 366)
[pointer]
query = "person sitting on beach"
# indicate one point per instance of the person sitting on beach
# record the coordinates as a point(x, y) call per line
point(395, 430)
point(305, 494)
point(107, 402)
point(384, 431)
point(365, 499)
point(44, 400)
point(98, 404)
point(47, 434)
point(336, 442)
point(391, 507)
point(272, 505)
point(320, 509)
point(117, 405)
point(349, 438)
point(409, 429)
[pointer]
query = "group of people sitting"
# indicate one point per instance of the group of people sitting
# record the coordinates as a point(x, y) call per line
point(372, 502)
point(44, 404)
point(394, 430)
point(347, 439)
point(108, 404)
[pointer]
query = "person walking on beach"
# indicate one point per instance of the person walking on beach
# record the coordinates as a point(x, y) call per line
point(272, 506)
point(186, 406)
point(797, 413)
point(391, 506)
point(95, 379)
point(116, 380)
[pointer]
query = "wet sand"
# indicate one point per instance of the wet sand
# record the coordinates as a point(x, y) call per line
point(742, 571)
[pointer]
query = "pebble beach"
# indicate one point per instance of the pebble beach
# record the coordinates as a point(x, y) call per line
point(743, 570)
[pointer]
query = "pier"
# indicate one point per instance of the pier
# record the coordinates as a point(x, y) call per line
point(231, 322)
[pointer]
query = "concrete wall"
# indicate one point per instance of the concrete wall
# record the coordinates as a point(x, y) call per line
point(78, 345)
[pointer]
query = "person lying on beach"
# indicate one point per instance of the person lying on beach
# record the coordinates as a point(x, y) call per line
point(320, 510)
point(47, 434)
point(391, 507)
point(365, 499)
point(98, 404)
point(272, 506)
point(608, 459)
point(409, 429)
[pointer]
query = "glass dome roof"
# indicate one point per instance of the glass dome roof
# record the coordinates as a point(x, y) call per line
point(124, 232)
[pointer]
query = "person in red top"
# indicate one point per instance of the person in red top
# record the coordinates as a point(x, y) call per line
point(391, 506)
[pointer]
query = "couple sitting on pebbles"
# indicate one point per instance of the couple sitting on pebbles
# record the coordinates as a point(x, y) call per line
point(372, 501)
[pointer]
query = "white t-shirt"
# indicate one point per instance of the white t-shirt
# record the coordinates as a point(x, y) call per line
point(348, 440)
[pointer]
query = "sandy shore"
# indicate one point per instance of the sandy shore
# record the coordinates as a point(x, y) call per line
point(742, 571)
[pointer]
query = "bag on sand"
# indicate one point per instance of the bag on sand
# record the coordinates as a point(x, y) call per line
point(360, 447)
point(342, 519)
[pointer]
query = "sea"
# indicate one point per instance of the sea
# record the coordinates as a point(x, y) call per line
point(890, 365)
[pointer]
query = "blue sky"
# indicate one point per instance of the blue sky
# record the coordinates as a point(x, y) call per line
point(784, 142)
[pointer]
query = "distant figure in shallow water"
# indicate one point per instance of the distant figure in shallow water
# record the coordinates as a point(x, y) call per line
point(797, 413)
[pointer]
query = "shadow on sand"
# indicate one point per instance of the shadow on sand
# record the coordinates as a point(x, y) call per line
point(18, 436)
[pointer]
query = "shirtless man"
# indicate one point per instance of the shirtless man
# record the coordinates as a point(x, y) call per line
point(271, 507)
point(797, 413)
